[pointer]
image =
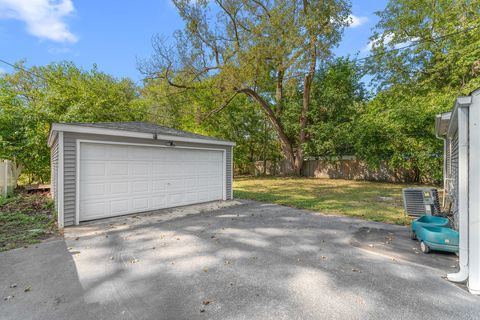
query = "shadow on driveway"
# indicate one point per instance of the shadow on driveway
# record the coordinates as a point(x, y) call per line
point(232, 260)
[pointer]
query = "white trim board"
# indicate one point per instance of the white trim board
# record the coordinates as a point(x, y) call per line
point(61, 127)
point(60, 182)
point(77, 163)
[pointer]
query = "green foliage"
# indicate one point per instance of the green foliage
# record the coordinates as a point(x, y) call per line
point(265, 50)
point(418, 82)
point(338, 94)
point(30, 102)
point(242, 122)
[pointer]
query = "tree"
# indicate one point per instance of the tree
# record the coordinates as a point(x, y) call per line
point(260, 49)
point(31, 101)
point(242, 122)
point(425, 54)
point(337, 97)
point(443, 38)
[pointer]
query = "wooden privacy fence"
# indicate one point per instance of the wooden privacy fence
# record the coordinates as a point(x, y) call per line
point(6, 178)
point(344, 168)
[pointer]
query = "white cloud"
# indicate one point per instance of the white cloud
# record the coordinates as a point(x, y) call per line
point(2, 70)
point(356, 21)
point(43, 18)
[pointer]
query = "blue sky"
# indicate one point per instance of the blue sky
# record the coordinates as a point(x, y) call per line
point(113, 34)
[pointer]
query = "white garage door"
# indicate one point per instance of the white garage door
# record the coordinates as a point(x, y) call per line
point(122, 179)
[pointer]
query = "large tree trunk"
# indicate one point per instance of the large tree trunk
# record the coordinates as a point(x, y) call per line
point(285, 143)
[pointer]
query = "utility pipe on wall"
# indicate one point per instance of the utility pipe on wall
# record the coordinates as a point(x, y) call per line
point(462, 196)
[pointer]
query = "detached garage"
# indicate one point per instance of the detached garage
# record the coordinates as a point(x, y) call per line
point(109, 169)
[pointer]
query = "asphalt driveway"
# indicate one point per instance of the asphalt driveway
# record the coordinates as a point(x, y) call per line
point(231, 260)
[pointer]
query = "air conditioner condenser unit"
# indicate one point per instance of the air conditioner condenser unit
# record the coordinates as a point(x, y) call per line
point(421, 201)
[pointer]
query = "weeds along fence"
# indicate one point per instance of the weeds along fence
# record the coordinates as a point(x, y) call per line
point(6, 178)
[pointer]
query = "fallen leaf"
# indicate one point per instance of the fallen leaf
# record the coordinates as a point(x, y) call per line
point(77, 238)
point(75, 252)
point(206, 302)
point(134, 260)
point(324, 257)
point(8, 298)
point(13, 285)
point(27, 289)
point(111, 258)
point(205, 269)
point(202, 310)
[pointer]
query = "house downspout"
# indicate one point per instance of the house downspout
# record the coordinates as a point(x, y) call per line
point(474, 199)
point(463, 212)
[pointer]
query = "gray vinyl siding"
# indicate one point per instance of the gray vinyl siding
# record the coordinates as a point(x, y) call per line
point(70, 156)
point(229, 181)
point(452, 175)
point(54, 172)
point(69, 179)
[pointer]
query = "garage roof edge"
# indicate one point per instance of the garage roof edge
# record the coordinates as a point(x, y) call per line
point(151, 131)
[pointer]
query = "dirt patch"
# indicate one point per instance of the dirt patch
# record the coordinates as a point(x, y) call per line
point(26, 219)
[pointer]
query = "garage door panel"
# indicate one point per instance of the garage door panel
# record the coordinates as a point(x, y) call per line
point(94, 152)
point(116, 169)
point(119, 188)
point(190, 183)
point(175, 184)
point(140, 186)
point(190, 197)
point(140, 204)
point(175, 198)
point(215, 194)
point(140, 169)
point(93, 208)
point(116, 153)
point(140, 153)
point(119, 206)
point(95, 169)
point(159, 185)
point(158, 201)
point(120, 179)
point(93, 189)
point(160, 169)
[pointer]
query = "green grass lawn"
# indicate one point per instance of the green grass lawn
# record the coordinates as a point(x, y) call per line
point(25, 219)
point(373, 201)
